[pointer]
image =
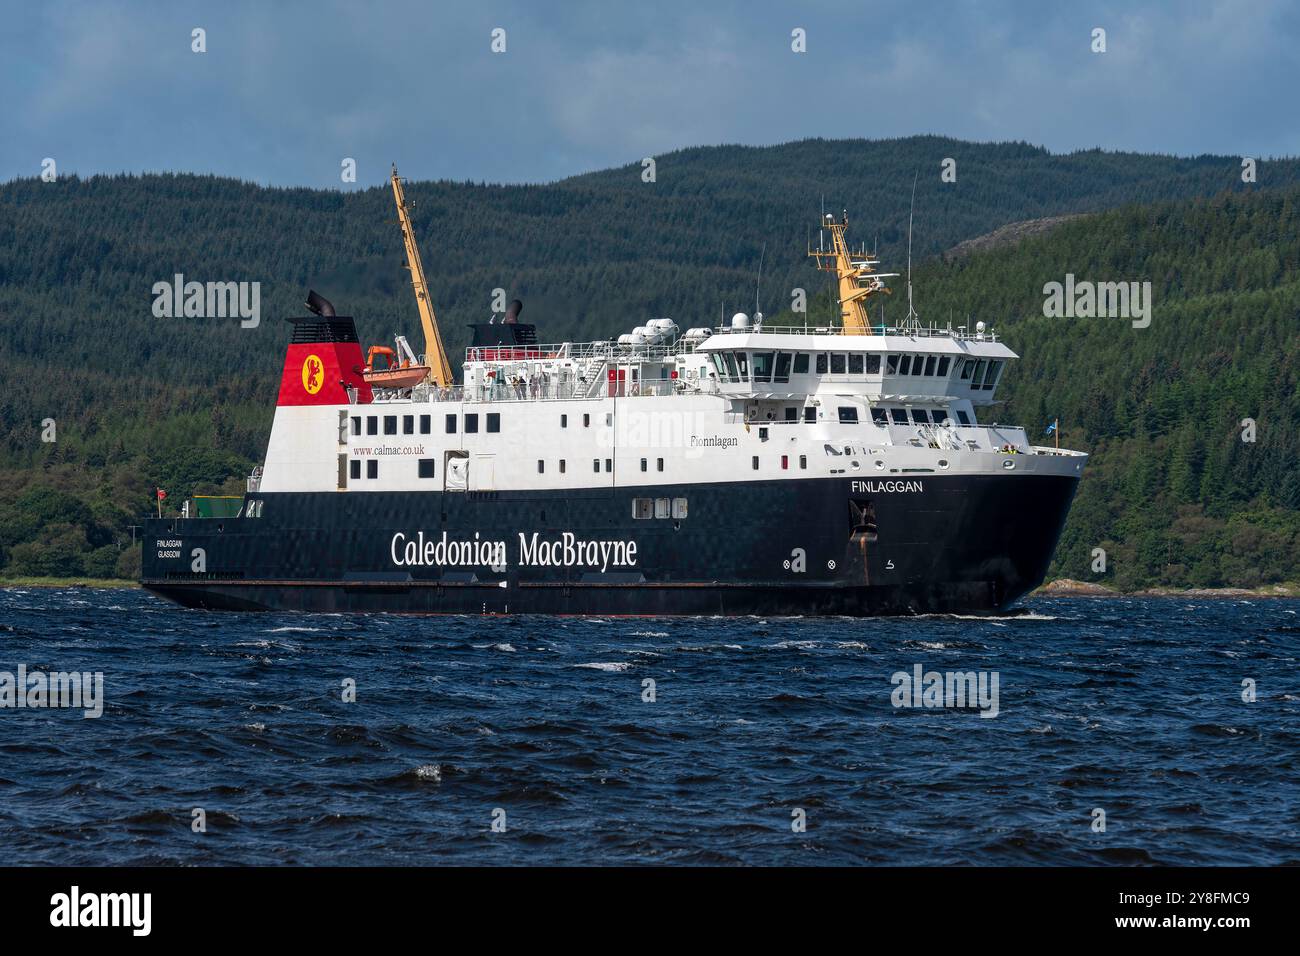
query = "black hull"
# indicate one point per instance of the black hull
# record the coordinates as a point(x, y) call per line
point(952, 544)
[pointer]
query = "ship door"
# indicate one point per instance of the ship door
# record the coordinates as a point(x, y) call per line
point(455, 471)
point(484, 473)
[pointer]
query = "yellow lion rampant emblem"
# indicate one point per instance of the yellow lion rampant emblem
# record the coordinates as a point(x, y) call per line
point(313, 374)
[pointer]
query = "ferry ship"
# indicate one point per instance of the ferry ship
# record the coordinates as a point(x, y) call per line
point(745, 469)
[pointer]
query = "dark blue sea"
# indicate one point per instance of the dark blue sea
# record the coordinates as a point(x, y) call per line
point(544, 727)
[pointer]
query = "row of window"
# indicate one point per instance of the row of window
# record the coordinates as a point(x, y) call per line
point(925, 365)
point(785, 462)
point(492, 423)
point(763, 367)
point(920, 416)
point(426, 466)
point(586, 420)
point(980, 373)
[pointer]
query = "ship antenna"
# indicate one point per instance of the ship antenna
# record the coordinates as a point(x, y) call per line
point(759, 283)
point(912, 317)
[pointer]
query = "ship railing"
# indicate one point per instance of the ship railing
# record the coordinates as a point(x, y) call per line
point(567, 389)
point(574, 351)
point(929, 332)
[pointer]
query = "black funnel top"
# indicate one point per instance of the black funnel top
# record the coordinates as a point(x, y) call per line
point(319, 305)
point(499, 334)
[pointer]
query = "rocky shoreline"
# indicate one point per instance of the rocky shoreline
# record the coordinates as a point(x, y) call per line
point(1068, 587)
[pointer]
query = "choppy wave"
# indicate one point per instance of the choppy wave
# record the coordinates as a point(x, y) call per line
point(298, 734)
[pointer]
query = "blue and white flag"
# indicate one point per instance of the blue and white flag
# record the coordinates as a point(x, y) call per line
point(1050, 428)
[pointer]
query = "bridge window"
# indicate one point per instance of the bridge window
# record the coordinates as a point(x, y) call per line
point(967, 366)
point(837, 363)
point(978, 374)
point(783, 367)
point(742, 365)
point(426, 467)
point(873, 364)
point(905, 365)
point(848, 415)
point(494, 421)
point(899, 415)
point(821, 363)
point(929, 364)
point(390, 424)
point(939, 415)
point(809, 415)
point(991, 376)
point(791, 413)
point(801, 364)
point(943, 365)
point(892, 364)
point(920, 417)
point(471, 423)
point(879, 416)
point(855, 363)
point(763, 366)
point(426, 424)
point(963, 417)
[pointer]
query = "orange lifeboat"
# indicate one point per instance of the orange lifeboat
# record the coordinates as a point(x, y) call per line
point(392, 374)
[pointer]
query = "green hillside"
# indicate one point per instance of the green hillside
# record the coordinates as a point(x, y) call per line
point(1173, 494)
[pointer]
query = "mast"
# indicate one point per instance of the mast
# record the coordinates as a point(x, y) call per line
point(435, 356)
point(858, 281)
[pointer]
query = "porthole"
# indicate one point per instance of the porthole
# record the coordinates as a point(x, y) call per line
point(1009, 463)
point(943, 462)
point(880, 465)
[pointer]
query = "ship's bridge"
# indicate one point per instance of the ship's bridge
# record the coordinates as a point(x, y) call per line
point(892, 365)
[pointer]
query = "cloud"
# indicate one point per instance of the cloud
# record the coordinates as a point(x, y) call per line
point(287, 90)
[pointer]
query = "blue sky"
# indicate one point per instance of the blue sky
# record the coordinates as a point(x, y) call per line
point(286, 90)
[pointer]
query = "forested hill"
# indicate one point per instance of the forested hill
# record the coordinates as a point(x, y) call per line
point(186, 403)
point(1172, 493)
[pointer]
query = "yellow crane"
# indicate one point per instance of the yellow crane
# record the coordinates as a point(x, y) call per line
point(858, 281)
point(435, 356)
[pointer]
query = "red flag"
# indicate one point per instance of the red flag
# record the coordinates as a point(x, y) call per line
point(161, 494)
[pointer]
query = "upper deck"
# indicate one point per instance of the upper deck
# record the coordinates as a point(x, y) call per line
point(738, 362)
